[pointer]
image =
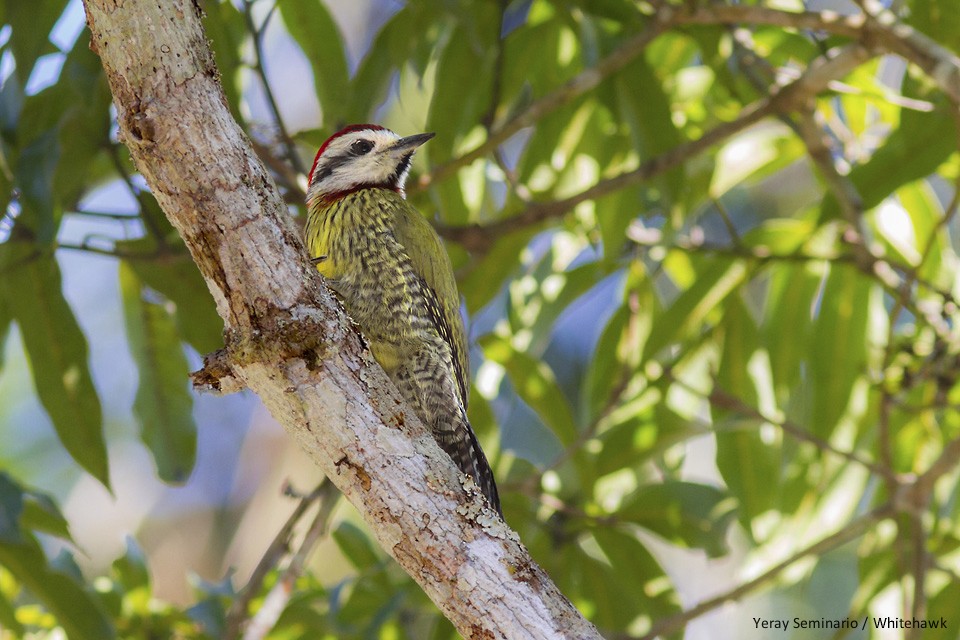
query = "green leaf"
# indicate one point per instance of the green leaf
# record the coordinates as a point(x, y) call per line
point(715, 280)
point(646, 576)
point(41, 513)
point(943, 605)
point(786, 330)
point(458, 104)
point(614, 214)
point(536, 385)
point(31, 22)
point(8, 618)
point(614, 605)
point(225, 26)
point(163, 404)
point(645, 109)
point(57, 351)
point(537, 308)
point(33, 174)
point(527, 73)
point(488, 276)
point(938, 19)
point(177, 278)
point(6, 319)
point(11, 507)
point(754, 155)
point(312, 26)
point(59, 590)
point(355, 545)
point(617, 352)
point(694, 515)
point(408, 37)
point(839, 345)
point(637, 433)
point(921, 203)
point(131, 568)
point(84, 127)
point(464, 77)
point(11, 104)
point(750, 466)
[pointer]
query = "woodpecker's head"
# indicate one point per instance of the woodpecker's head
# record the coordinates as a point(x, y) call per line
point(362, 156)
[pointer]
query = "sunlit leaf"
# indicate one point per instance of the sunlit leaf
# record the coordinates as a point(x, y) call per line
point(786, 330)
point(839, 342)
point(690, 309)
point(921, 143)
point(749, 465)
point(536, 384)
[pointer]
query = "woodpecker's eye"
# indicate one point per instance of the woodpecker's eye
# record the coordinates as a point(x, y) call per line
point(361, 147)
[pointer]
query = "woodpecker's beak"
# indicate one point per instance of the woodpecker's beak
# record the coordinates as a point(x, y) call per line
point(410, 142)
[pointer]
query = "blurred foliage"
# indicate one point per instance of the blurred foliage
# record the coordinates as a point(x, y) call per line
point(714, 354)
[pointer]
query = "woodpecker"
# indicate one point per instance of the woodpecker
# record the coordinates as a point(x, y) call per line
point(390, 269)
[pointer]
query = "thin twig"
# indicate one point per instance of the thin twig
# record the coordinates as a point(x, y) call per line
point(716, 13)
point(271, 557)
point(112, 252)
point(132, 217)
point(278, 597)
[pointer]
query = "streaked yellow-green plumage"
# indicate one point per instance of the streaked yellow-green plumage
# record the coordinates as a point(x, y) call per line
point(376, 234)
point(396, 281)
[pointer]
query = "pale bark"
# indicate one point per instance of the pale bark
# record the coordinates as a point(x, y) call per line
point(289, 342)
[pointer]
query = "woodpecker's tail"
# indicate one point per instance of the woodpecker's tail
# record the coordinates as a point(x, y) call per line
point(468, 455)
point(453, 433)
point(431, 392)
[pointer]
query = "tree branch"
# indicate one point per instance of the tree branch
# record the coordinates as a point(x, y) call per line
point(288, 341)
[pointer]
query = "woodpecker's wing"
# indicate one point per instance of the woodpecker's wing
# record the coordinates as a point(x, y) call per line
point(430, 260)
